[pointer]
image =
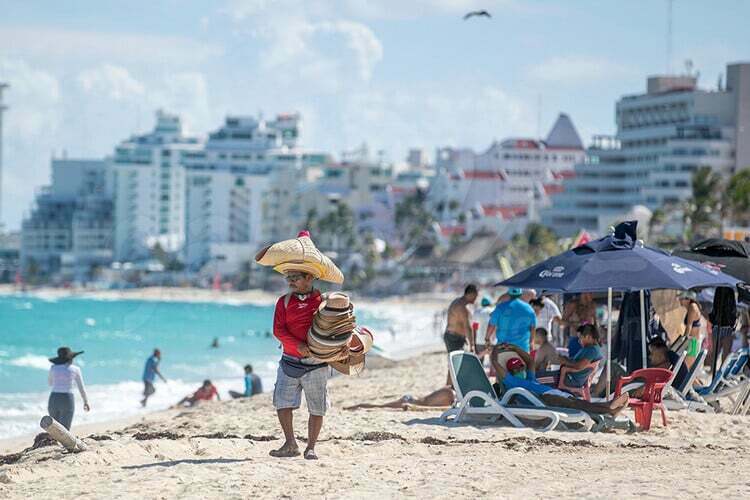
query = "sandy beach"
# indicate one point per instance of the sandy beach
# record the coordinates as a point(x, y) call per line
point(220, 450)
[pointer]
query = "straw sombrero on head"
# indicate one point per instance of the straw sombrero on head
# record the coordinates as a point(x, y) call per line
point(300, 254)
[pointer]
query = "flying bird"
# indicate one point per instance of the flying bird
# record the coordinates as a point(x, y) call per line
point(477, 13)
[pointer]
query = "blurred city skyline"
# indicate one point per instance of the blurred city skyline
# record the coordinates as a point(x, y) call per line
point(85, 77)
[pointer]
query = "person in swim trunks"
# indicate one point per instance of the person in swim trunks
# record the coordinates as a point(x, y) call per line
point(458, 328)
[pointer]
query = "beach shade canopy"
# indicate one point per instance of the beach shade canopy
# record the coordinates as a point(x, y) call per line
point(730, 257)
point(620, 263)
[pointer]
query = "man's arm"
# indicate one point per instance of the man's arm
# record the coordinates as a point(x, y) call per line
point(574, 364)
point(471, 334)
point(490, 332)
point(523, 355)
point(280, 331)
point(531, 337)
point(499, 370)
point(156, 370)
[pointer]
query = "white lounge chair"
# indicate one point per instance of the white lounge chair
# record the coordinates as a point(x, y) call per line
point(685, 397)
point(475, 397)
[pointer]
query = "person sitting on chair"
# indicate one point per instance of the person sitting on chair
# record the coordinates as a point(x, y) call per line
point(577, 369)
point(518, 372)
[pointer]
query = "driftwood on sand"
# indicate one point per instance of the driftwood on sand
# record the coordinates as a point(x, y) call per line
point(61, 434)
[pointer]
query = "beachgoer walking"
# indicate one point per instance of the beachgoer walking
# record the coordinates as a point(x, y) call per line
point(253, 385)
point(513, 322)
point(150, 371)
point(62, 374)
point(292, 320)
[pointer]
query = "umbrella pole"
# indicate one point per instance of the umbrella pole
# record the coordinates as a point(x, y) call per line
point(643, 330)
point(609, 341)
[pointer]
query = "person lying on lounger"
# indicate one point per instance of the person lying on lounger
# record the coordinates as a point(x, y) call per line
point(442, 397)
point(518, 372)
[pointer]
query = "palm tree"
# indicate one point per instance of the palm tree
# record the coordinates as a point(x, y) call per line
point(737, 196)
point(704, 208)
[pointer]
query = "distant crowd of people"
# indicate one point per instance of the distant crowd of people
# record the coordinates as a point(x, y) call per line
point(553, 347)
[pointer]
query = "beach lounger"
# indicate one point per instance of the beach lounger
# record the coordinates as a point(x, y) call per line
point(730, 381)
point(742, 404)
point(475, 397)
point(685, 397)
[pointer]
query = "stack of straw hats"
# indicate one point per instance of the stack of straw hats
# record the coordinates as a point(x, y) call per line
point(335, 338)
point(300, 254)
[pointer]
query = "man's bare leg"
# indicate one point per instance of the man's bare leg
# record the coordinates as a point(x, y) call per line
point(314, 424)
point(289, 448)
point(612, 408)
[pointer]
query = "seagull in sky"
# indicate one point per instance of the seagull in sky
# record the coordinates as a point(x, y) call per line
point(477, 13)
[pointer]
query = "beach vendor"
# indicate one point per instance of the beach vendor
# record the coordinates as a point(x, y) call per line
point(301, 263)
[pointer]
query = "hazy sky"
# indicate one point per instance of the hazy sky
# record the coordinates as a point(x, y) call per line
point(394, 73)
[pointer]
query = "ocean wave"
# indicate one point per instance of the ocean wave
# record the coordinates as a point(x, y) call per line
point(20, 412)
point(30, 361)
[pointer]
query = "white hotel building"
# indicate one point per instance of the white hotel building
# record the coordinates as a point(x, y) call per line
point(242, 189)
point(663, 136)
point(149, 190)
point(502, 188)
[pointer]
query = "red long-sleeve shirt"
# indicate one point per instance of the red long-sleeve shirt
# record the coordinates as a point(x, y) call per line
point(291, 323)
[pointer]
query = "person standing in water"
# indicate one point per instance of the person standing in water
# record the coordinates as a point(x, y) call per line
point(150, 371)
point(62, 374)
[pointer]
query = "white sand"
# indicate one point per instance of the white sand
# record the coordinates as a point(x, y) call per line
point(696, 455)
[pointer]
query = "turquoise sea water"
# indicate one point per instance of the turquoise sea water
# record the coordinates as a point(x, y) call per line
point(118, 336)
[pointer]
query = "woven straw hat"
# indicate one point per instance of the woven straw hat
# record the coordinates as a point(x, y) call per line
point(335, 304)
point(300, 254)
point(360, 343)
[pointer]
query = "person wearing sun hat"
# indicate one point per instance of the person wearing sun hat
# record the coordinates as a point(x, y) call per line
point(62, 374)
point(301, 263)
point(512, 322)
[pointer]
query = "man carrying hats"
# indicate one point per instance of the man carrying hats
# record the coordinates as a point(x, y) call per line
point(301, 263)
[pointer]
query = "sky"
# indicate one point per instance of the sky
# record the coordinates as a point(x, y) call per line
point(396, 74)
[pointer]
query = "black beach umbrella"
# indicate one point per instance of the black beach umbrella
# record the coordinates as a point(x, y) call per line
point(730, 257)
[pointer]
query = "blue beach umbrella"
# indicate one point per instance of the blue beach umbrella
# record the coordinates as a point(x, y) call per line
point(618, 262)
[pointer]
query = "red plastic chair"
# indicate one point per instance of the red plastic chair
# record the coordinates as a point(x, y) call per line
point(583, 392)
point(655, 379)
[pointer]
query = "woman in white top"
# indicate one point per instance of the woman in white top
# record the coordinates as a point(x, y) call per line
point(62, 374)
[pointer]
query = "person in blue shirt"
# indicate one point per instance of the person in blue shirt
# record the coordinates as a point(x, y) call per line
point(150, 371)
point(513, 322)
point(519, 372)
point(578, 366)
point(253, 385)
